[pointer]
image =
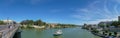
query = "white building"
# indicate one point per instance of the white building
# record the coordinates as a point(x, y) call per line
point(9, 22)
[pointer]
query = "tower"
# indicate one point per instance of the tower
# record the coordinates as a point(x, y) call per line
point(118, 18)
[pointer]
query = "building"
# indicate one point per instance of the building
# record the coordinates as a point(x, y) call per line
point(118, 18)
point(52, 25)
point(105, 23)
point(9, 22)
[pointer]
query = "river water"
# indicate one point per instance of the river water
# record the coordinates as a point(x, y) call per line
point(48, 33)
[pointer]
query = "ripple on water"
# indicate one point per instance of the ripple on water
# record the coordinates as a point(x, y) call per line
point(67, 33)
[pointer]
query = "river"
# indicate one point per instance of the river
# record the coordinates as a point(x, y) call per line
point(48, 33)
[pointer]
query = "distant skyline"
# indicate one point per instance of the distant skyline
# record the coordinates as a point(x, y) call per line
point(61, 11)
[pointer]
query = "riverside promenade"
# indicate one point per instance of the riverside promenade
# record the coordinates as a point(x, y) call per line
point(8, 31)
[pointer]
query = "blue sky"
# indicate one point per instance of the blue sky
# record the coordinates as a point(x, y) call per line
point(61, 11)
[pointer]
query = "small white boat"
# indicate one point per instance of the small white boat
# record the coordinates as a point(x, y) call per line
point(57, 33)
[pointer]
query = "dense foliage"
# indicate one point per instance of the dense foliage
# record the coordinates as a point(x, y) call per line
point(115, 23)
point(1, 22)
point(31, 22)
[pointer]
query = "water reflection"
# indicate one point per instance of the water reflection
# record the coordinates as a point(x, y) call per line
point(17, 35)
point(57, 36)
point(38, 30)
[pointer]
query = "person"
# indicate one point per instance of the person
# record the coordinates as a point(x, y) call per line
point(10, 26)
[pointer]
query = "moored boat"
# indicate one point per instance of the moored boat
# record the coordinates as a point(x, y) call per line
point(57, 33)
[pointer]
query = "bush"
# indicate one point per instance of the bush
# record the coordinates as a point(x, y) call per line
point(95, 31)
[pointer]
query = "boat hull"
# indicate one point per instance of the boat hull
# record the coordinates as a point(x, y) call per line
point(57, 34)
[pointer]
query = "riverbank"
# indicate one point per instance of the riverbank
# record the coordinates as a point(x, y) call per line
point(103, 32)
point(46, 26)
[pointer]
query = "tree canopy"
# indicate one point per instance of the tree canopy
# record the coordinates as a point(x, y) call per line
point(31, 22)
point(1, 22)
point(115, 23)
point(27, 22)
point(38, 22)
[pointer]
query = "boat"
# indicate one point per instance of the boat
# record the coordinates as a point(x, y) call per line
point(58, 33)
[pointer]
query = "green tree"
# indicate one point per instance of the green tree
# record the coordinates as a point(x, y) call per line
point(115, 23)
point(31, 22)
point(101, 25)
point(38, 22)
point(1, 22)
point(27, 22)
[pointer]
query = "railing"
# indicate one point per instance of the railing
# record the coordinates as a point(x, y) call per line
point(8, 32)
point(115, 29)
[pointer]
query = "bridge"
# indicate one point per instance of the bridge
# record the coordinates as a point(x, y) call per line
point(8, 31)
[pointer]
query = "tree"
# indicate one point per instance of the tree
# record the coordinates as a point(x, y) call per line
point(115, 23)
point(31, 22)
point(44, 23)
point(38, 22)
point(27, 22)
point(1, 22)
point(101, 25)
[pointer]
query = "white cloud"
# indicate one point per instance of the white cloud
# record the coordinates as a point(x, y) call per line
point(99, 20)
point(116, 10)
point(84, 10)
point(118, 1)
point(98, 11)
